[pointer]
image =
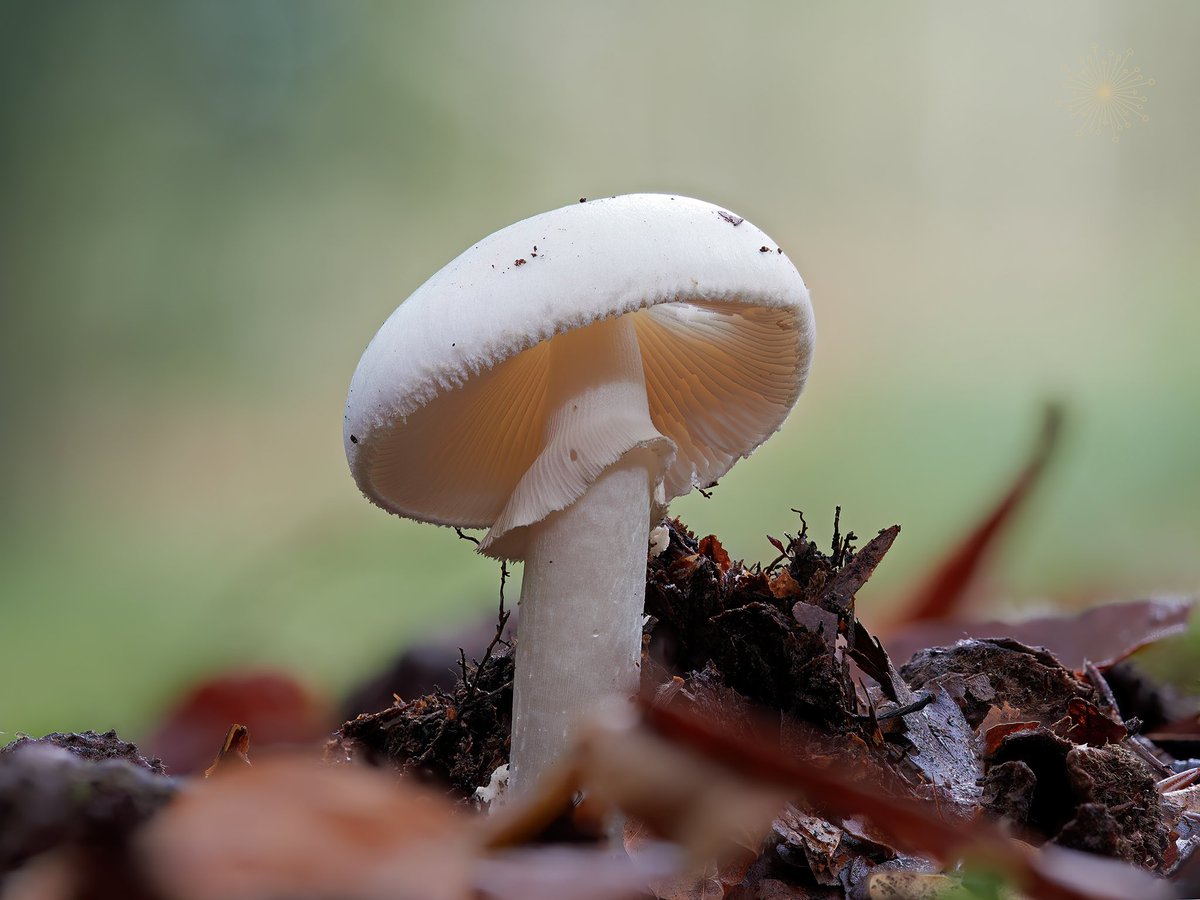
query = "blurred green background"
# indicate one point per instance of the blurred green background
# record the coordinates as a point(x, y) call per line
point(207, 208)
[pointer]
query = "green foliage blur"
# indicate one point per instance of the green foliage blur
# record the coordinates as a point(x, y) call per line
point(207, 208)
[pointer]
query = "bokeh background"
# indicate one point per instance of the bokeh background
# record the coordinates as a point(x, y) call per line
point(207, 208)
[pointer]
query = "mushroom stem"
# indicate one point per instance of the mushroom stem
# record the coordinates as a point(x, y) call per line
point(584, 585)
point(582, 597)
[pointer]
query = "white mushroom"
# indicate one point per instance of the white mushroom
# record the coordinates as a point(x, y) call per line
point(551, 383)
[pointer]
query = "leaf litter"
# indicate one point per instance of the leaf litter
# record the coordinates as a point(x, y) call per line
point(777, 751)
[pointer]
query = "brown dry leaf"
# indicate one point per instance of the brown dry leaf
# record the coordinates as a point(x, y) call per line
point(783, 585)
point(840, 590)
point(290, 827)
point(945, 589)
point(683, 567)
point(1103, 635)
point(994, 735)
point(235, 751)
point(1090, 726)
point(1001, 721)
point(711, 547)
point(819, 840)
point(941, 742)
point(275, 706)
point(1179, 780)
point(873, 659)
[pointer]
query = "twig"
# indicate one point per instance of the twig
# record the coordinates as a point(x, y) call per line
point(466, 537)
point(803, 522)
point(502, 616)
point(917, 705)
point(837, 537)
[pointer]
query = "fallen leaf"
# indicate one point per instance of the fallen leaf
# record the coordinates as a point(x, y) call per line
point(944, 752)
point(292, 827)
point(841, 589)
point(275, 706)
point(235, 750)
point(1090, 726)
point(994, 735)
point(783, 585)
point(945, 588)
point(1179, 780)
point(711, 547)
point(819, 840)
point(1103, 635)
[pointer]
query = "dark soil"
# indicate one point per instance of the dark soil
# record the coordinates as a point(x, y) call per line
point(87, 790)
point(457, 737)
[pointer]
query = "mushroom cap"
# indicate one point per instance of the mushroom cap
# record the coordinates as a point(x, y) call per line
point(445, 410)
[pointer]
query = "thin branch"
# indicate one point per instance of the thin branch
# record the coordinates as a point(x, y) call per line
point(803, 522)
point(466, 537)
point(502, 617)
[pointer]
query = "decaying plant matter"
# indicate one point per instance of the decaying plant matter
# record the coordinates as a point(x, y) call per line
point(457, 737)
point(777, 751)
point(982, 730)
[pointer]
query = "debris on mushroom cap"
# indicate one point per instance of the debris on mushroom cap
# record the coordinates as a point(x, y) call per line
point(446, 404)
